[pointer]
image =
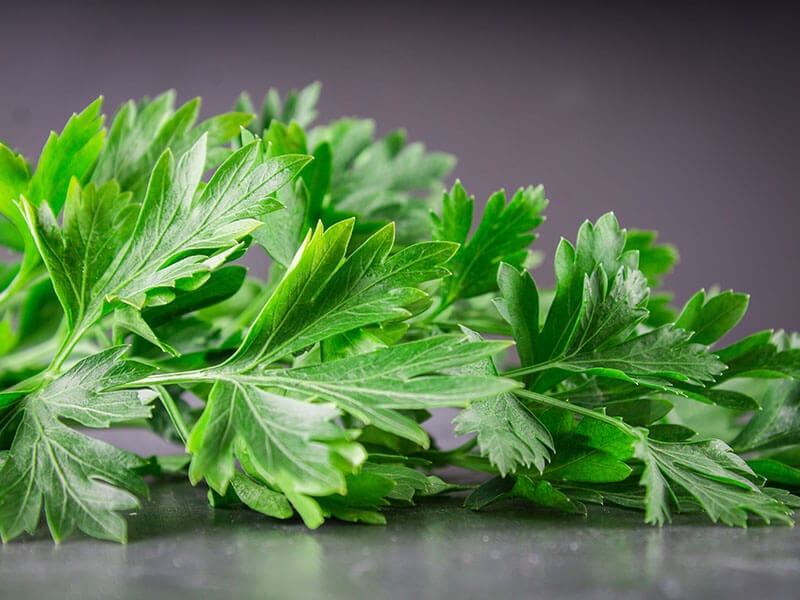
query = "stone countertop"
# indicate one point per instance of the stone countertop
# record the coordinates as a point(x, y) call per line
point(180, 547)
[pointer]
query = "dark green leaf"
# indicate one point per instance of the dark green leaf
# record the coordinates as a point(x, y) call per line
point(712, 317)
point(260, 498)
point(536, 491)
point(711, 474)
point(661, 353)
point(507, 432)
point(777, 423)
point(503, 235)
point(291, 444)
point(374, 386)
point(776, 472)
point(598, 245)
point(519, 306)
point(99, 255)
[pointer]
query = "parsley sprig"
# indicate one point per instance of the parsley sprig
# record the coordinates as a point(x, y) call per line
point(307, 393)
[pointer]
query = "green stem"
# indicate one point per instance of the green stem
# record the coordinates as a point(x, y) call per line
point(31, 261)
point(586, 412)
point(132, 424)
point(550, 364)
point(64, 350)
point(443, 306)
point(471, 462)
point(210, 375)
point(465, 447)
point(87, 318)
point(159, 379)
point(174, 413)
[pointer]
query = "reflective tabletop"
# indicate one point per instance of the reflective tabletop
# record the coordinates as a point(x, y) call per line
point(180, 547)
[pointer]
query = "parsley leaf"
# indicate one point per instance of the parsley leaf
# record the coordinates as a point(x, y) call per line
point(141, 132)
point(709, 318)
point(326, 292)
point(503, 234)
point(380, 180)
point(709, 471)
point(594, 334)
point(375, 385)
point(166, 246)
point(298, 106)
point(81, 482)
point(777, 424)
point(290, 443)
point(264, 416)
point(71, 154)
point(354, 174)
point(507, 432)
point(655, 260)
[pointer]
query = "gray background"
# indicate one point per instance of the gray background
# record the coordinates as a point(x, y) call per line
point(683, 121)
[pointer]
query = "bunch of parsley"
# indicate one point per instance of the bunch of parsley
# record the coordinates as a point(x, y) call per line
point(122, 303)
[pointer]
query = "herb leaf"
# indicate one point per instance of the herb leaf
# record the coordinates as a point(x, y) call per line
point(712, 474)
point(173, 230)
point(373, 387)
point(141, 132)
point(79, 481)
point(71, 154)
point(503, 235)
point(777, 424)
point(709, 318)
point(507, 432)
point(325, 292)
point(315, 385)
point(290, 443)
point(661, 353)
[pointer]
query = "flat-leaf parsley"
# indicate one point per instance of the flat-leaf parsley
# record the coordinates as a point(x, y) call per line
point(307, 393)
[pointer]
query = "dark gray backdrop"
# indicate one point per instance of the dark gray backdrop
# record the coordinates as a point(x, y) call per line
point(682, 121)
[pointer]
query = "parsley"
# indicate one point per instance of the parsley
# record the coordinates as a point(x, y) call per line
point(119, 301)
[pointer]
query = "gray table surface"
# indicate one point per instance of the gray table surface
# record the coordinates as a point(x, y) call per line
point(180, 547)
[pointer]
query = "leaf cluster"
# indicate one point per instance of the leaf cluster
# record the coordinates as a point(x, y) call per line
point(122, 303)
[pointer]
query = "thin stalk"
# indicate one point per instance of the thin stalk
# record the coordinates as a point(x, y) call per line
point(471, 462)
point(132, 424)
point(443, 306)
point(533, 368)
point(586, 412)
point(463, 448)
point(174, 414)
point(64, 350)
point(210, 375)
point(158, 379)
